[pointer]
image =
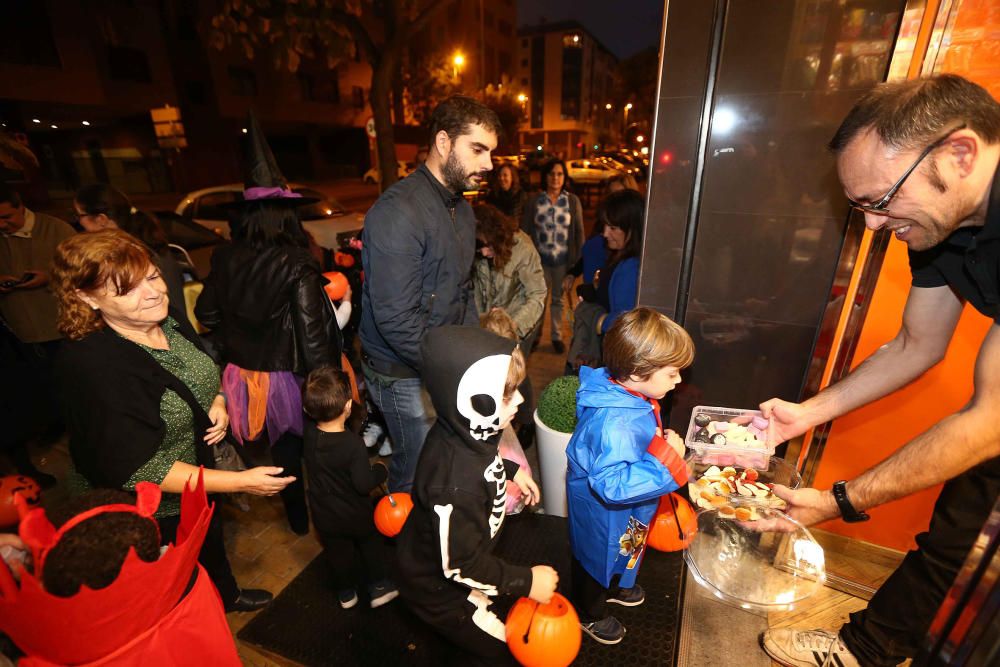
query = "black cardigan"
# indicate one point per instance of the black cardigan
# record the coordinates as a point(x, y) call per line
point(110, 390)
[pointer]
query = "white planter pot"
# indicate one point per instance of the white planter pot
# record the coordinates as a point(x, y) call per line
point(552, 460)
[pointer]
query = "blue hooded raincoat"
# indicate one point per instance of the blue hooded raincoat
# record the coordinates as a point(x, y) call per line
point(613, 483)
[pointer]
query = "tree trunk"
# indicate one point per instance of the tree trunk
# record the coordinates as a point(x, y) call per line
point(385, 139)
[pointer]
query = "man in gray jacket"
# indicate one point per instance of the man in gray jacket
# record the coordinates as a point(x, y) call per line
point(418, 245)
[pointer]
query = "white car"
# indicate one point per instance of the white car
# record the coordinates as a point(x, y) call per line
point(588, 172)
point(403, 169)
point(329, 223)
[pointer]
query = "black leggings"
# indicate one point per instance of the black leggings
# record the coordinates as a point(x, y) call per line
point(286, 453)
point(341, 551)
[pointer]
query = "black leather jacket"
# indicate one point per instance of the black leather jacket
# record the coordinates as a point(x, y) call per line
point(269, 310)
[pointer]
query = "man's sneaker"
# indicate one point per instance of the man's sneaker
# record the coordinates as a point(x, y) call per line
point(606, 631)
point(629, 597)
point(372, 433)
point(386, 448)
point(382, 593)
point(807, 648)
point(347, 598)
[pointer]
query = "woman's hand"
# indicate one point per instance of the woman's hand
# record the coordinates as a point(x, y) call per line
point(263, 481)
point(528, 487)
point(220, 421)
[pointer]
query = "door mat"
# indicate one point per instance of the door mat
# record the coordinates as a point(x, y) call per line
point(305, 623)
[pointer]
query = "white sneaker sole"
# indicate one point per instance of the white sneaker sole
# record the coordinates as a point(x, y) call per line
point(626, 604)
point(350, 603)
point(385, 598)
point(601, 640)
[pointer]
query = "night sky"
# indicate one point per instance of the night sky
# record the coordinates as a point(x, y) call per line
point(624, 27)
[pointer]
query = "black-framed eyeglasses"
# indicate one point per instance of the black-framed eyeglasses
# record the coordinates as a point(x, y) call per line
point(881, 207)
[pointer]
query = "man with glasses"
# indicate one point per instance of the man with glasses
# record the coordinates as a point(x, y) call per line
point(919, 159)
point(28, 333)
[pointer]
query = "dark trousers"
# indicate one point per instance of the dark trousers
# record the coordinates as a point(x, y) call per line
point(285, 453)
point(342, 551)
point(895, 624)
point(212, 555)
point(588, 595)
point(464, 629)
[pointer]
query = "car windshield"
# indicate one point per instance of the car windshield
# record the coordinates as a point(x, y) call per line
point(326, 207)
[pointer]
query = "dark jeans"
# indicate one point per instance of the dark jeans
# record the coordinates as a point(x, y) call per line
point(408, 415)
point(212, 555)
point(342, 551)
point(588, 595)
point(895, 624)
point(285, 453)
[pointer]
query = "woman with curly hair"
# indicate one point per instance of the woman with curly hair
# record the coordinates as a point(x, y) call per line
point(142, 398)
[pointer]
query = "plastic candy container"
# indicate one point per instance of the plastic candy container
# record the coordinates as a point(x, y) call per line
point(729, 437)
point(767, 563)
point(712, 485)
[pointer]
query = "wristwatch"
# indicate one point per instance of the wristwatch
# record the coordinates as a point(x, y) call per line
point(847, 511)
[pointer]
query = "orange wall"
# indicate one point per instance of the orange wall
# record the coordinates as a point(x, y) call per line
point(863, 438)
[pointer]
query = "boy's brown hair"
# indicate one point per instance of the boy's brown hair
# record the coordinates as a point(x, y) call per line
point(500, 322)
point(642, 341)
point(325, 393)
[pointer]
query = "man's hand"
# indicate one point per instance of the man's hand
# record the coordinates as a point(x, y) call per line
point(220, 421)
point(788, 420)
point(544, 580)
point(807, 506)
point(528, 487)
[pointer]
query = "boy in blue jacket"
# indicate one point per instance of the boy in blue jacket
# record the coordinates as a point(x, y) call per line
point(620, 462)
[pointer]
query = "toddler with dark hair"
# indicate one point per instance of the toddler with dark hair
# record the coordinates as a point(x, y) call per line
point(340, 481)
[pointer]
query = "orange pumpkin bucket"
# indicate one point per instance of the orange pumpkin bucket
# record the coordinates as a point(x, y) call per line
point(391, 513)
point(675, 524)
point(543, 635)
point(9, 486)
point(336, 289)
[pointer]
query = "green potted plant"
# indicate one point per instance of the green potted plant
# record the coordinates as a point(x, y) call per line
point(555, 419)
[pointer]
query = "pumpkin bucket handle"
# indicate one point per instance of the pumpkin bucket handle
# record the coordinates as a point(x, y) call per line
point(673, 506)
point(392, 501)
point(531, 620)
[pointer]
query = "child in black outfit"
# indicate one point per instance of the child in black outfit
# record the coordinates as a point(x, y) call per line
point(340, 481)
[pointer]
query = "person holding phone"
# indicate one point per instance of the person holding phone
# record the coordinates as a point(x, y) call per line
point(29, 337)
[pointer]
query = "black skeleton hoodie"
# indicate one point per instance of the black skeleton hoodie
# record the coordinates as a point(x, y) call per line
point(445, 547)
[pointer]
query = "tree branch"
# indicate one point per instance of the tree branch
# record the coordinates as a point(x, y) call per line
point(357, 29)
point(423, 18)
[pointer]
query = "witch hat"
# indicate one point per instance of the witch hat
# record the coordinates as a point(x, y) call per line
point(262, 179)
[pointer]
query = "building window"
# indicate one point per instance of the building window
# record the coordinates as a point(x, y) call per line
point(505, 28)
point(324, 87)
point(572, 41)
point(27, 40)
point(505, 62)
point(537, 100)
point(242, 82)
point(572, 81)
point(488, 18)
point(358, 97)
point(524, 81)
point(524, 62)
point(195, 93)
point(128, 64)
point(187, 29)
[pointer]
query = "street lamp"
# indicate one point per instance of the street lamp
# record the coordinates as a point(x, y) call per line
point(639, 139)
point(608, 106)
point(457, 62)
point(627, 108)
point(522, 98)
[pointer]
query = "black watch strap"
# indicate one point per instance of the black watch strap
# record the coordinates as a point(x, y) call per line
point(847, 511)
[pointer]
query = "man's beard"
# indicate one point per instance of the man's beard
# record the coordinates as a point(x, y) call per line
point(456, 178)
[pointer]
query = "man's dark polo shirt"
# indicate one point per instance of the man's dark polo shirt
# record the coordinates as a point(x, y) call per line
point(968, 261)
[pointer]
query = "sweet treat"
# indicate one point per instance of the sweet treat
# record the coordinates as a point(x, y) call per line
point(721, 484)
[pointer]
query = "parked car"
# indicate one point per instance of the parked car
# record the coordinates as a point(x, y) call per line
point(329, 223)
point(618, 163)
point(403, 169)
point(590, 172)
point(192, 244)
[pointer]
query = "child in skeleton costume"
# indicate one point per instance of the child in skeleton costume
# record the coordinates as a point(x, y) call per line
point(447, 573)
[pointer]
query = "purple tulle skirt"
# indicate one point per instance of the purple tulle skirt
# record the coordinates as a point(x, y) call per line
point(276, 393)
